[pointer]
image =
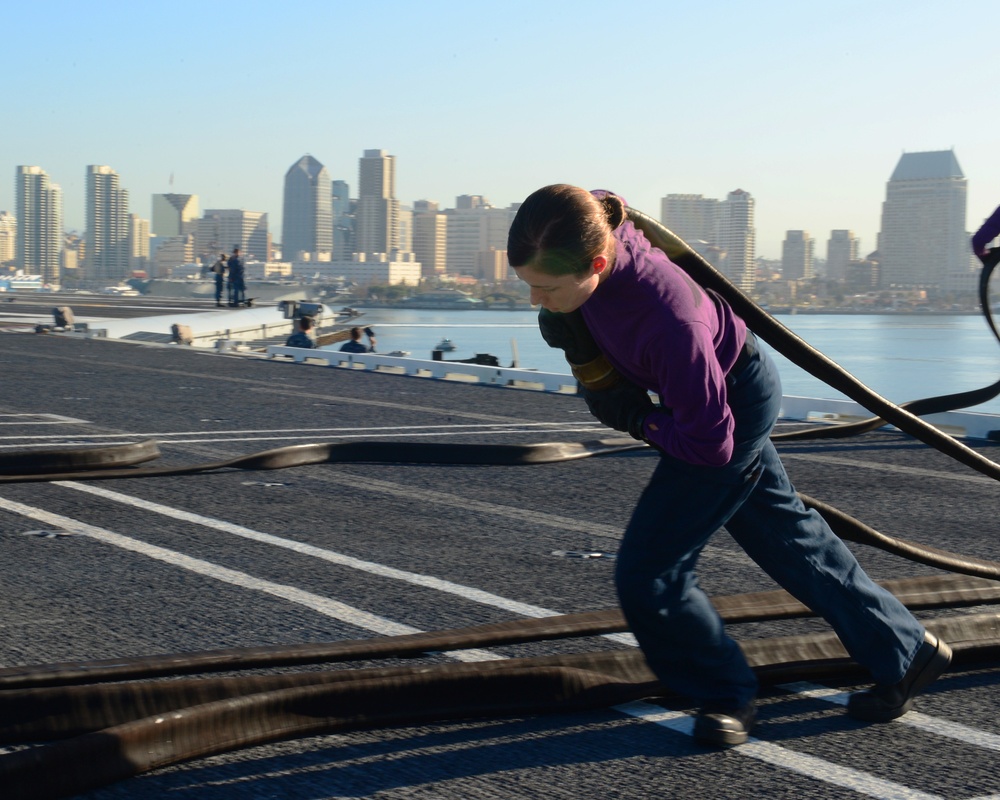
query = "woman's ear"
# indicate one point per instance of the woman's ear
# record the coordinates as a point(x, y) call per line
point(600, 263)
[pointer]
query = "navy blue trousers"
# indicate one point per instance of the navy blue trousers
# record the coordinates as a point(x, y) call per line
point(678, 629)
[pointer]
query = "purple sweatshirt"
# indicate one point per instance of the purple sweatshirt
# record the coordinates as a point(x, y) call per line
point(665, 333)
point(986, 234)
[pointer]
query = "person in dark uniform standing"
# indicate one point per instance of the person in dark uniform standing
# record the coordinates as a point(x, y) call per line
point(237, 283)
point(219, 273)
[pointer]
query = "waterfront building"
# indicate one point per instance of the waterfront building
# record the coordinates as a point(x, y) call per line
point(737, 238)
point(343, 221)
point(39, 224)
point(923, 242)
point(404, 236)
point(430, 237)
point(492, 266)
point(373, 269)
point(221, 229)
point(842, 248)
point(475, 228)
point(107, 226)
point(307, 221)
point(138, 243)
point(174, 214)
point(377, 213)
point(797, 252)
point(693, 217)
point(8, 238)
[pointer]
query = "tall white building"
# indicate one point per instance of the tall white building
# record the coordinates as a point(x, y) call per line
point(8, 237)
point(693, 217)
point(738, 239)
point(106, 256)
point(39, 223)
point(138, 243)
point(842, 248)
point(174, 214)
point(797, 255)
point(923, 240)
point(377, 213)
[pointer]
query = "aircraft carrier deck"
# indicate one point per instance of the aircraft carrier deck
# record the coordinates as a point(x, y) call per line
point(123, 568)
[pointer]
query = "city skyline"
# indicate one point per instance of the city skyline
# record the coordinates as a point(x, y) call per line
point(808, 112)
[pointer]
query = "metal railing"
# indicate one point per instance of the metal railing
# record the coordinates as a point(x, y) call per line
point(961, 424)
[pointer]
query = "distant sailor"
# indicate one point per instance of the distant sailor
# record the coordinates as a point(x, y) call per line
point(301, 337)
point(355, 346)
point(237, 284)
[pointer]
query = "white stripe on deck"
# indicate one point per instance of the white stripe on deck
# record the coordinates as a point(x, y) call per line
point(914, 719)
point(800, 763)
point(167, 435)
point(323, 605)
point(370, 567)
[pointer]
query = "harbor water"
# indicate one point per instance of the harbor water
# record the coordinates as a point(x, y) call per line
point(901, 356)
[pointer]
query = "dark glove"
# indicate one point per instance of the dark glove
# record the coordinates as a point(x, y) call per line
point(569, 333)
point(623, 407)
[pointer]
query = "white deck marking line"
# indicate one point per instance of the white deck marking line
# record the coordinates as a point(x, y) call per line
point(43, 419)
point(360, 431)
point(588, 428)
point(314, 439)
point(801, 763)
point(370, 567)
point(323, 605)
point(914, 719)
point(424, 496)
point(964, 477)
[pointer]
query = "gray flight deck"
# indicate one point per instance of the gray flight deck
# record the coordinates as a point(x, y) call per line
point(123, 568)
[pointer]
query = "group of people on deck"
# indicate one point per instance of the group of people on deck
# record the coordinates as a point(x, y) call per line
point(230, 272)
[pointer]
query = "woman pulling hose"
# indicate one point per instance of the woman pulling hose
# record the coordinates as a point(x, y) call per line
point(629, 321)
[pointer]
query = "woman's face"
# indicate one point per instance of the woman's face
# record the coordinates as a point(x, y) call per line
point(561, 293)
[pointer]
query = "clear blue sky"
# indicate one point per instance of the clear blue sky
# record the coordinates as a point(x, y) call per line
point(806, 105)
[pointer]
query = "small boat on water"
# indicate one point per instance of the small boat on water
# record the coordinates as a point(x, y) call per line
point(399, 353)
point(445, 345)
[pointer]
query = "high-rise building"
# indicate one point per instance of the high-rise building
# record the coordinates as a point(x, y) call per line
point(430, 237)
point(474, 228)
point(307, 222)
point(377, 215)
point(222, 229)
point(691, 216)
point(8, 238)
point(797, 252)
point(39, 223)
point(107, 257)
point(842, 248)
point(174, 214)
point(923, 241)
point(138, 243)
point(738, 239)
point(343, 221)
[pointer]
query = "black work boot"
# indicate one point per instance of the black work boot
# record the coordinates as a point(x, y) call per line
point(724, 726)
point(884, 702)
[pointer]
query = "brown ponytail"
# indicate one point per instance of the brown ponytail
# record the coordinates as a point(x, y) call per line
point(614, 209)
point(559, 229)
